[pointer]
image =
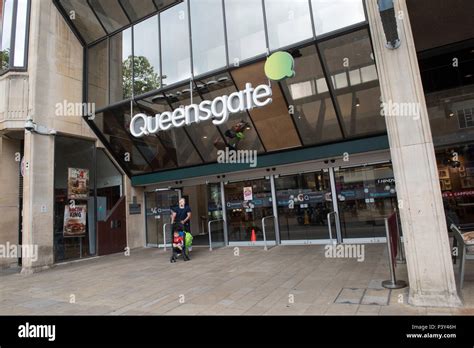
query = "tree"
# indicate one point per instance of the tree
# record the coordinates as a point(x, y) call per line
point(145, 79)
point(4, 59)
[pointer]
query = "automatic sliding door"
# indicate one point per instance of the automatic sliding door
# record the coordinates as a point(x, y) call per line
point(304, 201)
point(158, 213)
point(247, 202)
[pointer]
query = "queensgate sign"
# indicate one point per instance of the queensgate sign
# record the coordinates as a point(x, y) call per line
point(218, 109)
point(278, 66)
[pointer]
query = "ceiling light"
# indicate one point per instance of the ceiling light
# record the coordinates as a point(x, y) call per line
point(357, 102)
point(211, 82)
point(451, 114)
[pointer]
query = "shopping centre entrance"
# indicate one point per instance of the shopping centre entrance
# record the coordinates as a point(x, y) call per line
point(308, 203)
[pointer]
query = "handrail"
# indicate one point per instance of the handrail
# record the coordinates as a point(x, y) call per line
point(164, 234)
point(329, 224)
point(209, 231)
point(263, 229)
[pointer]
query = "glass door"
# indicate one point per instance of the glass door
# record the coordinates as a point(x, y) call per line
point(304, 202)
point(158, 213)
point(366, 195)
point(247, 203)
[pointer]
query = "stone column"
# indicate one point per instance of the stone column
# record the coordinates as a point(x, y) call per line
point(430, 269)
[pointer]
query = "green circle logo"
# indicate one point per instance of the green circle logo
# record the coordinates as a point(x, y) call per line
point(279, 66)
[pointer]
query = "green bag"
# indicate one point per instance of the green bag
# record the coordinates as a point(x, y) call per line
point(188, 240)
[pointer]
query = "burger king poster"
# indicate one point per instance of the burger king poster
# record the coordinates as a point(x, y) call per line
point(78, 183)
point(75, 221)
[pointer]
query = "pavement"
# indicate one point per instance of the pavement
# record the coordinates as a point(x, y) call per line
point(285, 280)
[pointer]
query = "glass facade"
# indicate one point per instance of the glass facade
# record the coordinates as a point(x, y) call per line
point(200, 50)
point(14, 23)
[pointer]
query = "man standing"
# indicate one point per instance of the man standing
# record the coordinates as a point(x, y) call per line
point(182, 214)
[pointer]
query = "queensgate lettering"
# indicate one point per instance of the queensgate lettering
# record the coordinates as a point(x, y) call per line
point(218, 109)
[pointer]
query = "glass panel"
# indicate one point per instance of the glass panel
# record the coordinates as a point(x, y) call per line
point(245, 29)
point(5, 49)
point(314, 112)
point(366, 195)
point(175, 45)
point(20, 35)
point(244, 214)
point(164, 3)
point(273, 122)
point(304, 200)
point(109, 185)
point(85, 21)
point(158, 213)
point(80, 234)
point(137, 10)
point(451, 114)
point(146, 56)
point(456, 177)
point(356, 84)
point(176, 148)
point(214, 212)
point(330, 15)
point(110, 14)
point(220, 85)
point(121, 66)
point(98, 67)
point(204, 134)
point(114, 124)
point(207, 27)
point(288, 22)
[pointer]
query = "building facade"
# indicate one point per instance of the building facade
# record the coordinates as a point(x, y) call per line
point(114, 109)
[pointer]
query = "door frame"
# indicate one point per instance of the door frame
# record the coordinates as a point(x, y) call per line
point(162, 190)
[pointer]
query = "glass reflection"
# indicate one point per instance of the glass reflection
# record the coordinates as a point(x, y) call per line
point(5, 49)
point(86, 22)
point(146, 56)
point(288, 22)
point(207, 27)
point(110, 14)
point(175, 45)
point(245, 29)
point(121, 61)
point(137, 10)
point(239, 132)
point(314, 113)
point(356, 85)
point(330, 15)
point(20, 33)
point(273, 122)
point(178, 149)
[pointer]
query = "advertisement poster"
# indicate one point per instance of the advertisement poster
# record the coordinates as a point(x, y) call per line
point(78, 183)
point(248, 196)
point(75, 221)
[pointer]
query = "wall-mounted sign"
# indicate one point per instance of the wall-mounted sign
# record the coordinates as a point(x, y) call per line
point(218, 109)
point(134, 208)
point(75, 221)
point(78, 183)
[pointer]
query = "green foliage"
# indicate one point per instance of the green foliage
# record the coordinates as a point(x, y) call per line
point(146, 79)
point(4, 59)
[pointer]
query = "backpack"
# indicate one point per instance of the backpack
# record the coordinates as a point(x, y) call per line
point(188, 240)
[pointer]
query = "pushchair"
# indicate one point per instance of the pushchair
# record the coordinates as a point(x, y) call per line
point(187, 243)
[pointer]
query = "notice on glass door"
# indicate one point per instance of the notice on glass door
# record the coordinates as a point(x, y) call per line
point(248, 195)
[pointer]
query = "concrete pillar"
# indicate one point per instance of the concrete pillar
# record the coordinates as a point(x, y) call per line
point(430, 269)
